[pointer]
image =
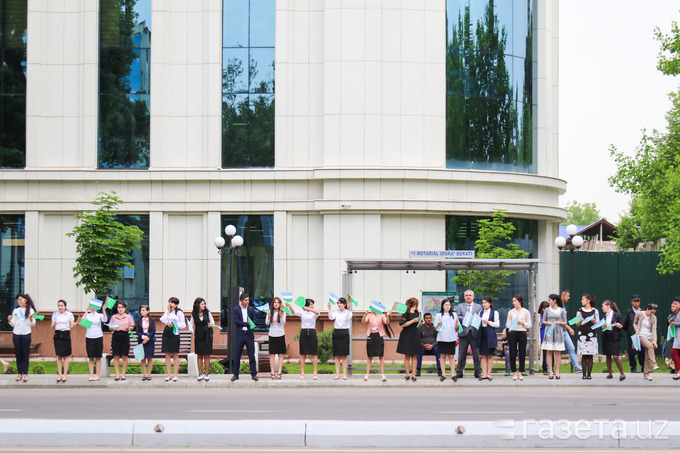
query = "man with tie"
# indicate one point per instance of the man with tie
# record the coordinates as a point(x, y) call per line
point(243, 314)
point(468, 335)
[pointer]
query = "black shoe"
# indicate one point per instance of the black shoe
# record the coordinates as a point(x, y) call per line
point(459, 375)
point(234, 378)
point(584, 378)
point(442, 378)
point(609, 376)
point(255, 378)
point(439, 373)
point(623, 378)
point(590, 377)
point(407, 377)
point(634, 370)
point(413, 378)
point(455, 378)
point(478, 374)
point(417, 372)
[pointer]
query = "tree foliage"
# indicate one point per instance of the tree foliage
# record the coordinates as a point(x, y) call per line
point(581, 213)
point(103, 245)
point(652, 175)
point(493, 242)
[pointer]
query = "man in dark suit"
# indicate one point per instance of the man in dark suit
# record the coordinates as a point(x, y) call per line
point(468, 335)
point(628, 319)
point(244, 335)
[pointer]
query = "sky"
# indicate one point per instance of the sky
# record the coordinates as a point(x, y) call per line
point(610, 90)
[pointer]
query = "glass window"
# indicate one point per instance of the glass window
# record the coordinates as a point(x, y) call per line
point(248, 83)
point(12, 235)
point(489, 69)
point(133, 289)
point(124, 83)
point(254, 264)
point(461, 234)
point(13, 83)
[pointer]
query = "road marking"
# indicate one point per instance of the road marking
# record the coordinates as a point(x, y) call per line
point(485, 412)
point(11, 410)
point(224, 411)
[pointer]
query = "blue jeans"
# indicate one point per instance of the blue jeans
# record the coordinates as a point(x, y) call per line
point(571, 350)
point(434, 352)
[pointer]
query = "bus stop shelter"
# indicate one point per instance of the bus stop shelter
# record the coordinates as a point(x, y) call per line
point(519, 264)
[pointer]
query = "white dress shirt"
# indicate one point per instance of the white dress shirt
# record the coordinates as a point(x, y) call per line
point(276, 328)
point(170, 316)
point(343, 319)
point(449, 332)
point(21, 324)
point(307, 318)
point(95, 330)
point(62, 321)
point(493, 322)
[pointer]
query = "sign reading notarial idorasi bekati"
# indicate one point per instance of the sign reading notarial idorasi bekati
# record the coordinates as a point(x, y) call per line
point(442, 254)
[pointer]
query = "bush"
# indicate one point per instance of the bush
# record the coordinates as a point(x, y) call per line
point(325, 371)
point(284, 369)
point(38, 368)
point(216, 368)
point(325, 345)
point(244, 368)
point(12, 368)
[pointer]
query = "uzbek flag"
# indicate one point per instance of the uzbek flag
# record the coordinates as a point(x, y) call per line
point(39, 317)
point(400, 308)
point(609, 326)
point(600, 323)
point(670, 334)
point(300, 301)
point(588, 319)
point(550, 329)
point(574, 320)
point(251, 323)
point(96, 304)
point(84, 322)
point(175, 328)
point(113, 325)
point(352, 300)
point(513, 324)
point(263, 308)
point(377, 307)
point(441, 326)
point(287, 297)
point(467, 319)
point(460, 328)
point(333, 299)
point(110, 302)
point(635, 339)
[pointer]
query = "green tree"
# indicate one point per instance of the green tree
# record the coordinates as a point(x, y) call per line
point(581, 213)
point(103, 245)
point(652, 175)
point(493, 242)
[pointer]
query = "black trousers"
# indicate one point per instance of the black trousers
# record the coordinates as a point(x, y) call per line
point(247, 339)
point(517, 342)
point(22, 350)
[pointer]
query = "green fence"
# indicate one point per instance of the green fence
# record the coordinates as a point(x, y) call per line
point(616, 276)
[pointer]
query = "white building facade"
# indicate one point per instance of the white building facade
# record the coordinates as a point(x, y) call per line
point(361, 141)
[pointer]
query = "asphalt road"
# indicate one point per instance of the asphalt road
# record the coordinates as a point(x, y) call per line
point(385, 404)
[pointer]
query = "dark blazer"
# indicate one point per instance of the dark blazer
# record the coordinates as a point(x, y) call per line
point(461, 310)
point(240, 322)
point(614, 333)
point(628, 319)
point(152, 328)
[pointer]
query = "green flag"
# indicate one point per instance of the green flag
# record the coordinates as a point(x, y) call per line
point(252, 324)
point(300, 301)
point(286, 310)
point(110, 302)
point(85, 323)
point(39, 317)
point(134, 337)
point(574, 320)
point(460, 328)
point(399, 308)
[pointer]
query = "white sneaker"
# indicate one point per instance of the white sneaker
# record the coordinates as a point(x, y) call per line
point(200, 377)
point(207, 377)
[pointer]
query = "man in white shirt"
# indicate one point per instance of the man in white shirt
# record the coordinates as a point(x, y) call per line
point(243, 314)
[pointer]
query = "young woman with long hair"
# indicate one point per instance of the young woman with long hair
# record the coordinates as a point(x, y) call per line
point(409, 338)
point(276, 320)
point(94, 341)
point(378, 328)
point(611, 338)
point(309, 345)
point(645, 325)
point(62, 322)
point(447, 337)
point(120, 339)
point(487, 342)
point(203, 323)
point(21, 321)
point(342, 319)
point(553, 338)
point(587, 339)
point(146, 336)
point(170, 340)
point(517, 338)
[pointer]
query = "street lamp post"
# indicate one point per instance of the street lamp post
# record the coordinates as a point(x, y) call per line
point(573, 244)
point(235, 242)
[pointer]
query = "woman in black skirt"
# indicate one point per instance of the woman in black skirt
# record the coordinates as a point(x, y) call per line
point(203, 323)
point(378, 328)
point(62, 321)
point(487, 341)
point(309, 345)
point(611, 338)
point(146, 335)
point(342, 321)
point(94, 341)
point(276, 320)
point(174, 321)
point(120, 324)
point(409, 339)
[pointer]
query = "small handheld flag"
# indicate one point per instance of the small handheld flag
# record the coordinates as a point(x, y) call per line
point(139, 352)
point(96, 304)
point(460, 328)
point(251, 323)
point(263, 308)
point(113, 325)
point(467, 319)
point(399, 308)
point(377, 307)
point(574, 320)
point(550, 329)
point(85, 322)
point(670, 334)
point(287, 297)
point(635, 339)
point(440, 327)
point(352, 300)
point(476, 321)
point(600, 323)
point(39, 317)
point(110, 302)
point(420, 319)
point(588, 319)
point(333, 299)
point(607, 327)
point(134, 337)
point(300, 301)
point(175, 328)
point(513, 324)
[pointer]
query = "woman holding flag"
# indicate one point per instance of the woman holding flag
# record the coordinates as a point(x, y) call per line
point(309, 344)
point(611, 337)
point(94, 338)
point(342, 319)
point(174, 321)
point(645, 327)
point(446, 323)
point(120, 324)
point(487, 341)
point(21, 320)
point(554, 318)
point(62, 322)
point(518, 324)
point(378, 320)
point(146, 336)
point(276, 320)
point(587, 339)
point(409, 339)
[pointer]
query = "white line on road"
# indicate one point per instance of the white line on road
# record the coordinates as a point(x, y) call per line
point(485, 412)
point(11, 410)
point(234, 411)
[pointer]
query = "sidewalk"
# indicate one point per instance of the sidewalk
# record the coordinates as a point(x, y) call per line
point(326, 380)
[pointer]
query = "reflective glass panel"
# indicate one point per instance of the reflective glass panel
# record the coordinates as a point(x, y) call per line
point(248, 83)
point(253, 264)
point(13, 15)
point(12, 235)
point(489, 69)
point(133, 288)
point(124, 83)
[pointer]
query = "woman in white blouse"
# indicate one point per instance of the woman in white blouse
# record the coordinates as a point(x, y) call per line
point(309, 344)
point(170, 341)
point(517, 336)
point(62, 321)
point(446, 323)
point(342, 321)
point(276, 320)
point(486, 337)
point(94, 341)
point(21, 321)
